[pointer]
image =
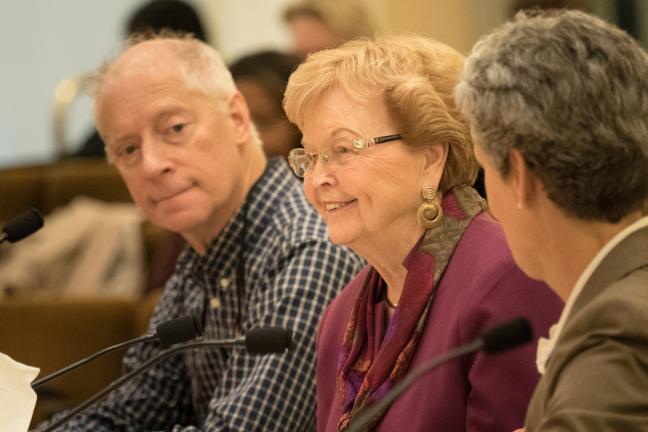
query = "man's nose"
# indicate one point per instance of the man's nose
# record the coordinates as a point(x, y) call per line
point(155, 158)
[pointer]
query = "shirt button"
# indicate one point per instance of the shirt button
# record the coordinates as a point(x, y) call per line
point(224, 283)
point(215, 303)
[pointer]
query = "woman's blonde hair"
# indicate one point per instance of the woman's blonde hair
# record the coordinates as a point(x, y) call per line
point(415, 77)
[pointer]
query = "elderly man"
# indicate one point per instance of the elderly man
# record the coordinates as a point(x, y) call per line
point(180, 134)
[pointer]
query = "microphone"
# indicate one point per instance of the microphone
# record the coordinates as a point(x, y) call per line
point(21, 226)
point(169, 333)
point(267, 340)
point(500, 338)
point(260, 340)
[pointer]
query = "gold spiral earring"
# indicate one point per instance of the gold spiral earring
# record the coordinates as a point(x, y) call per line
point(429, 212)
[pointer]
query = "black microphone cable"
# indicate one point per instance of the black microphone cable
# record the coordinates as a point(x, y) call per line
point(261, 340)
point(169, 333)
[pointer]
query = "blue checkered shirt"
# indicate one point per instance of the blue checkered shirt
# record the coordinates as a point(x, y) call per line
point(291, 272)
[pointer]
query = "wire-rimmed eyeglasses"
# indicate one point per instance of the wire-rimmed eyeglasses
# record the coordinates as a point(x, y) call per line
point(343, 152)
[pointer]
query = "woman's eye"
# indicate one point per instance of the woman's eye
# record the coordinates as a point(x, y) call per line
point(342, 149)
point(177, 128)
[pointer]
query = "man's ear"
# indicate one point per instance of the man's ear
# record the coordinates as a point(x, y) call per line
point(525, 183)
point(239, 113)
point(436, 156)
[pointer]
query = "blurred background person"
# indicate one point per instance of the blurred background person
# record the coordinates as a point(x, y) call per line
point(261, 78)
point(176, 15)
point(318, 24)
point(37, 62)
point(558, 105)
point(387, 161)
point(519, 5)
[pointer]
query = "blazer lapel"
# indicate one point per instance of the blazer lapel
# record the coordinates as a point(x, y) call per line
point(627, 256)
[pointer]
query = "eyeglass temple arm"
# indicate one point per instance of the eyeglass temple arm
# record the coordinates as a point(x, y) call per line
point(386, 138)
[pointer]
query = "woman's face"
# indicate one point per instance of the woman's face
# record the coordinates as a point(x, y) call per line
point(505, 206)
point(374, 195)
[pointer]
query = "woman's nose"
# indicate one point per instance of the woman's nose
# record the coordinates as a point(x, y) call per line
point(321, 173)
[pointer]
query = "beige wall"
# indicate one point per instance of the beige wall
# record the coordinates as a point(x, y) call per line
point(458, 23)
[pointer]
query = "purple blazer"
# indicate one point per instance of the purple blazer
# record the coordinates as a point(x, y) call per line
point(481, 287)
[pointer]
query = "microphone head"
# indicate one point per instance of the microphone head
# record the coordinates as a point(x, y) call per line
point(268, 340)
point(508, 335)
point(22, 225)
point(178, 330)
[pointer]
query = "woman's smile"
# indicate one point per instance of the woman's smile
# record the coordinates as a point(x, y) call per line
point(332, 207)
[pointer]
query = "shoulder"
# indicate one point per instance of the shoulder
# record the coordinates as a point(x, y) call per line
point(288, 213)
point(619, 310)
point(490, 288)
point(292, 226)
point(482, 261)
point(484, 246)
point(334, 321)
point(609, 334)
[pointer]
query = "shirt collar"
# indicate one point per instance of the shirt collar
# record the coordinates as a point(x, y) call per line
point(252, 216)
point(546, 345)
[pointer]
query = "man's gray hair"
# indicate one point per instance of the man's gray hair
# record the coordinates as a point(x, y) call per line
point(570, 92)
point(200, 66)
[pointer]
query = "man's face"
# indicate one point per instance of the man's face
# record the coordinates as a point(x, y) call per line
point(178, 150)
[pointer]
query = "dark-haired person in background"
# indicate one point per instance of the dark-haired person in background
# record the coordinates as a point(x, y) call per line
point(175, 15)
point(558, 106)
point(261, 78)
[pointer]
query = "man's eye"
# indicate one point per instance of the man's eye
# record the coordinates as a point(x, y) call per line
point(128, 150)
point(177, 128)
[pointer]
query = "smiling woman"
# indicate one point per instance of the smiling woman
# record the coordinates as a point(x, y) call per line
point(387, 161)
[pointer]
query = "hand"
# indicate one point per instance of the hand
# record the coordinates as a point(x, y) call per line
point(519, 430)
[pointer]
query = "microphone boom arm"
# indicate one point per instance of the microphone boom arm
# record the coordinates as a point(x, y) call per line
point(365, 417)
point(45, 379)
point(127, 377)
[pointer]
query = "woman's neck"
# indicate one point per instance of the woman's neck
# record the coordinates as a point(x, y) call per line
point(387, 251)
point(568, 260)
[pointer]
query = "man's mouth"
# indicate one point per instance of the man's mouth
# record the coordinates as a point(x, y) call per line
point(169, 196)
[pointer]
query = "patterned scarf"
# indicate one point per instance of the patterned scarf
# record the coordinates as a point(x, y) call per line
point(367, 371)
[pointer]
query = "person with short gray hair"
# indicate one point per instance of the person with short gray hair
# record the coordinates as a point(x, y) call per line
point(558, 107)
